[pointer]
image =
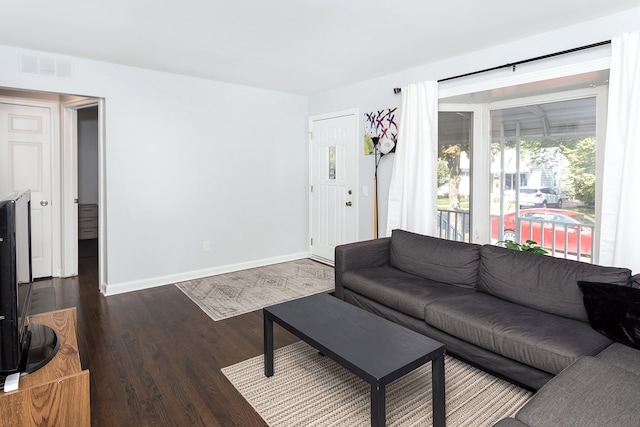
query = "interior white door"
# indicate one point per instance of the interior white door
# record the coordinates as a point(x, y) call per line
point(333, 180)
point(25, 163)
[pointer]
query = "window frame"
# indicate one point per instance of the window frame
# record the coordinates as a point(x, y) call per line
point(480, 184)
point(475, 205)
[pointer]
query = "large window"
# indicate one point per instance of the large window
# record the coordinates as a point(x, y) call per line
point(520, 163)
point(543, 176)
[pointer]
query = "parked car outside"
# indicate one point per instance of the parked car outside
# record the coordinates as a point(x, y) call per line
point(538, 224)
point(540, 197)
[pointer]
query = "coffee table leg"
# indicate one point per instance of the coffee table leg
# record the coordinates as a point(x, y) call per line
point(438, 391)
point(268, 345)
point(378, 406)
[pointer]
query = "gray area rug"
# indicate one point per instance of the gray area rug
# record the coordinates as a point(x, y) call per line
point(231, 294)
point(311, 390)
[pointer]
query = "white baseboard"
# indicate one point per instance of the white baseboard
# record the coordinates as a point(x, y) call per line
point(119, 288)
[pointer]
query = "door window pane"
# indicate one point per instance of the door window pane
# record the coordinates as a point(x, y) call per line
point(331, 161)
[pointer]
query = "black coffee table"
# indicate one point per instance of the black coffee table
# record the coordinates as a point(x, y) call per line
point(371, 347)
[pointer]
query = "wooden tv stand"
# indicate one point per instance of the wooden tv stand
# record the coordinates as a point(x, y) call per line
point(58, 393)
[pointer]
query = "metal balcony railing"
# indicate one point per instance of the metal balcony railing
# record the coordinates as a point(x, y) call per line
point(561, 239)
point(453, 225)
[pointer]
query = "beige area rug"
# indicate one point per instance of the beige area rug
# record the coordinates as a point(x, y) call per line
point(311, 390)
point(231, 294)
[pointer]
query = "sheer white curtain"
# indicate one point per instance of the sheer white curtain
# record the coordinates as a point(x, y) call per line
point(412, 192)
point(619, 226)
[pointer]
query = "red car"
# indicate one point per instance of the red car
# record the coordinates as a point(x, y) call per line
point(538, 225)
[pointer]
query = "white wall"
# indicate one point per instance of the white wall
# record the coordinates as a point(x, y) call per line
point(377, 93)
point(189, 160)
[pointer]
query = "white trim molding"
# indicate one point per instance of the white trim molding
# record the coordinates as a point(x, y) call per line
point(137, 285)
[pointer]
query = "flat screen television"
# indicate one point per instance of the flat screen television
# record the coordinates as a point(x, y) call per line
point(23, 347)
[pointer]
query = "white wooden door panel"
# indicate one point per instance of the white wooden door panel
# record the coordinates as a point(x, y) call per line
point(334, 184)
point(25, 150)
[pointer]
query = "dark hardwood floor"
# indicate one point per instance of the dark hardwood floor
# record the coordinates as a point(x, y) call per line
point(155, 357)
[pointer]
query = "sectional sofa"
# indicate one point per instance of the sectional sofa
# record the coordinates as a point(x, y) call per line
point(518, 315)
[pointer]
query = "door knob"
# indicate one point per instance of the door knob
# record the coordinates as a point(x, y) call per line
point(44, 202)
point(348, 203)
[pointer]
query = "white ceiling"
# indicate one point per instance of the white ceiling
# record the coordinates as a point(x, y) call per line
point(298, 46)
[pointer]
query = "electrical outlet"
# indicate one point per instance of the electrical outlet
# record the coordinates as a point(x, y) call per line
point(205, 246)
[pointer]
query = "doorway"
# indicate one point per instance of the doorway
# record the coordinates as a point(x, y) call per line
point(88, 189)
point(63, 175)
point(83, 184)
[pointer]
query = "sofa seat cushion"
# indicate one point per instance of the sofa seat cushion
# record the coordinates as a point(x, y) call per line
point(590, 392)
point(623, 357)
point(399, 290)
point(544, 341)
point(436, 259)
point(540, 281)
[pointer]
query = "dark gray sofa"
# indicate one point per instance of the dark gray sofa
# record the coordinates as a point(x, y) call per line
point(515, 314)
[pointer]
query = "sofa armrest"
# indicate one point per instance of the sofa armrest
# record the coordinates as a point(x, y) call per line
point(352, 256)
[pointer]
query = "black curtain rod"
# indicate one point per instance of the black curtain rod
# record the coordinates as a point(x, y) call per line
point(525, 61)
point(513, 65)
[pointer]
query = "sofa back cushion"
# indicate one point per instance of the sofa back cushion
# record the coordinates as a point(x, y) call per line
point(435, 259)
point(540, 281)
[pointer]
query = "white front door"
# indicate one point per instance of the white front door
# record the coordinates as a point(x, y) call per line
point(25, 163)
point(333, 183)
